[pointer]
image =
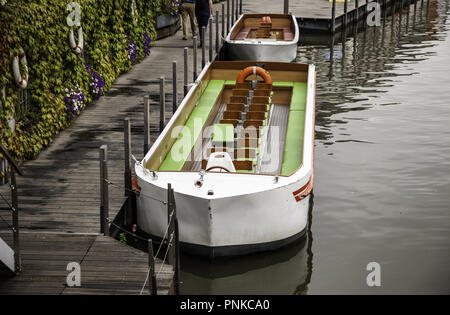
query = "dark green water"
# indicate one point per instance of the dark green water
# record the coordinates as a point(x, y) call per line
point(382, 188)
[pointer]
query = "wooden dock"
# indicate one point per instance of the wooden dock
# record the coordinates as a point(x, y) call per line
point(106, 266)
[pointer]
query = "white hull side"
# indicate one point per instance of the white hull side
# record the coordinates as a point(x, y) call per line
point(242, 220)
point(261, 52)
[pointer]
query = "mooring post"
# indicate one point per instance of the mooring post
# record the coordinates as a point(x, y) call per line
point(210, 46)
point(345, 14)
point(240, 7)
point(217, 32)
point(162, 104)
point(171, 216)
point(186, 50)
point(177, 257)
point(333, 17)
point(357, 12)
point(146, 124)
point(286, 7)
point(384, 12)
point(393, 3)
point(228, 16)
point(194, 72)
point(203, 47)
point(15, 220)
point(127, 172)
point(152, 286)
point(174, 87)
point(232, 13)
point(237, 10)
point(104, 191)
point(223, 21)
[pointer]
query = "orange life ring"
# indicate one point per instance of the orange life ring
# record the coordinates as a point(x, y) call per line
point(254, 70)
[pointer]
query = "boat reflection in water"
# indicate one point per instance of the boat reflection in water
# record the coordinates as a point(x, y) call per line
point(286, 270)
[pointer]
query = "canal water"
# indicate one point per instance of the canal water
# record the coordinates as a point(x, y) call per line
point(382, 185)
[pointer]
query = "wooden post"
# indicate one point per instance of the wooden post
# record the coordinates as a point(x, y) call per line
point(210, 46)
point(384, 12)
point(286, 7)
point(185, 71)
point(127, 171)
point(228, 16)
point(357, 12)
point(203, 47)
point(345, 14)
point(146, 124)
point(152, 285)
point(240, 7)
point(237, 10)
point(393, 3)
point(194, 40)
point(333, 17)
point(15, 220)
point(104, 191)
point(174, 87)
point(223, 21)
point(162, 104)
point(232, 13)
point(103, 158)
point(217, 33)
point(177, 256)
point(171, 215)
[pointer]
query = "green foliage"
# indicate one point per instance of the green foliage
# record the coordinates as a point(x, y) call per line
point(123, 238)
point(40, 28)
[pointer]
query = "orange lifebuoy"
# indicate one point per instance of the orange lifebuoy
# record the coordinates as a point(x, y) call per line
point(254, 70)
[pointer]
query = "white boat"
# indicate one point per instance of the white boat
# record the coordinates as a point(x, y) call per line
point(263, 37)
point(239, 155)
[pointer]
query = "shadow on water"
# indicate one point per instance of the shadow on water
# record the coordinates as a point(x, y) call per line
point(284, 271)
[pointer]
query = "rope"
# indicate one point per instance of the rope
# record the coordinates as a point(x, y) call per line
point(9, 205)
point(7, 223)
point(132, 191)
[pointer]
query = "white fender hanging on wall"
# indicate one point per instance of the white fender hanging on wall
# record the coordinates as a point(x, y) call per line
point(76, 47)
point(22, 81)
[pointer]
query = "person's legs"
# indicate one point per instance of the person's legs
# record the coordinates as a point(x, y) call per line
point(191, 11)
point(184, 17)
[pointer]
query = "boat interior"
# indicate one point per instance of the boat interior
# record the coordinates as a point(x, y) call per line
point(239, 124)
point(274, 27)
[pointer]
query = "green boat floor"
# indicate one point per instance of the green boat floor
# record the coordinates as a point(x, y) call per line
point(182, 147)
point(293, 148)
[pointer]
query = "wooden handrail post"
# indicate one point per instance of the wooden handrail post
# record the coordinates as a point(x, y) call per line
point(203, 30)
point(152, 285)
point(186, 50)
point(146, 124)
point(210, 46)
point(217, 32)
point(174, 87)
point(104, 191)
point(223, 21)
point(286, 7)
point(15, 221)
point(177, 257)
point(333, 17)
point(228, 16)
point(162, 104)
point(194, 41)
point(127, 171)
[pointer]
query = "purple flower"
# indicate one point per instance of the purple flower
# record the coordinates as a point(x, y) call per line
point(97, 82)
point(147, 42)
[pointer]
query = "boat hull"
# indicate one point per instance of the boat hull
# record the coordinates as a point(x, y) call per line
point(230, 226)
point(261, 52)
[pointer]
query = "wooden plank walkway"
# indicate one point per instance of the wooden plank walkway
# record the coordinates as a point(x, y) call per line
point(107, 266)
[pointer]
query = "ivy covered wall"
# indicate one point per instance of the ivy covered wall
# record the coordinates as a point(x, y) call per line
point(117, 34)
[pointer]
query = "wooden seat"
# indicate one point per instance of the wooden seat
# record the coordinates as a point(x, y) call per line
point(234, 122)
point(253, 123)
point(238, 99)
point(263, 86)
point(257, 108)
point(241, 165)
point(243, 85)
point(256, 115)
point(235, 107)
point(240, 92)
point(260, 100)
point(232, 115)
point(250, 131)
point(262, 92)
point(247, 142)
point(245, 153)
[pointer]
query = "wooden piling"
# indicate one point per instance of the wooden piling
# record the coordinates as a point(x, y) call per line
point(104, 191)
point(194, 72)
point(127, 171)
point(240, 7)
point(286, 7)
point(203, 47)
point(146, 124)
point(223, 21)
point(228, 16)
point(174, 87)
point(162, 104)
point(15, 220)
point(217, 32)
point(345, 14)
point(177, 258)
point(333, 17)
point(186, 50)
point(210, 46)
point(232, 13)
point(152, 285)
point(357, 12)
